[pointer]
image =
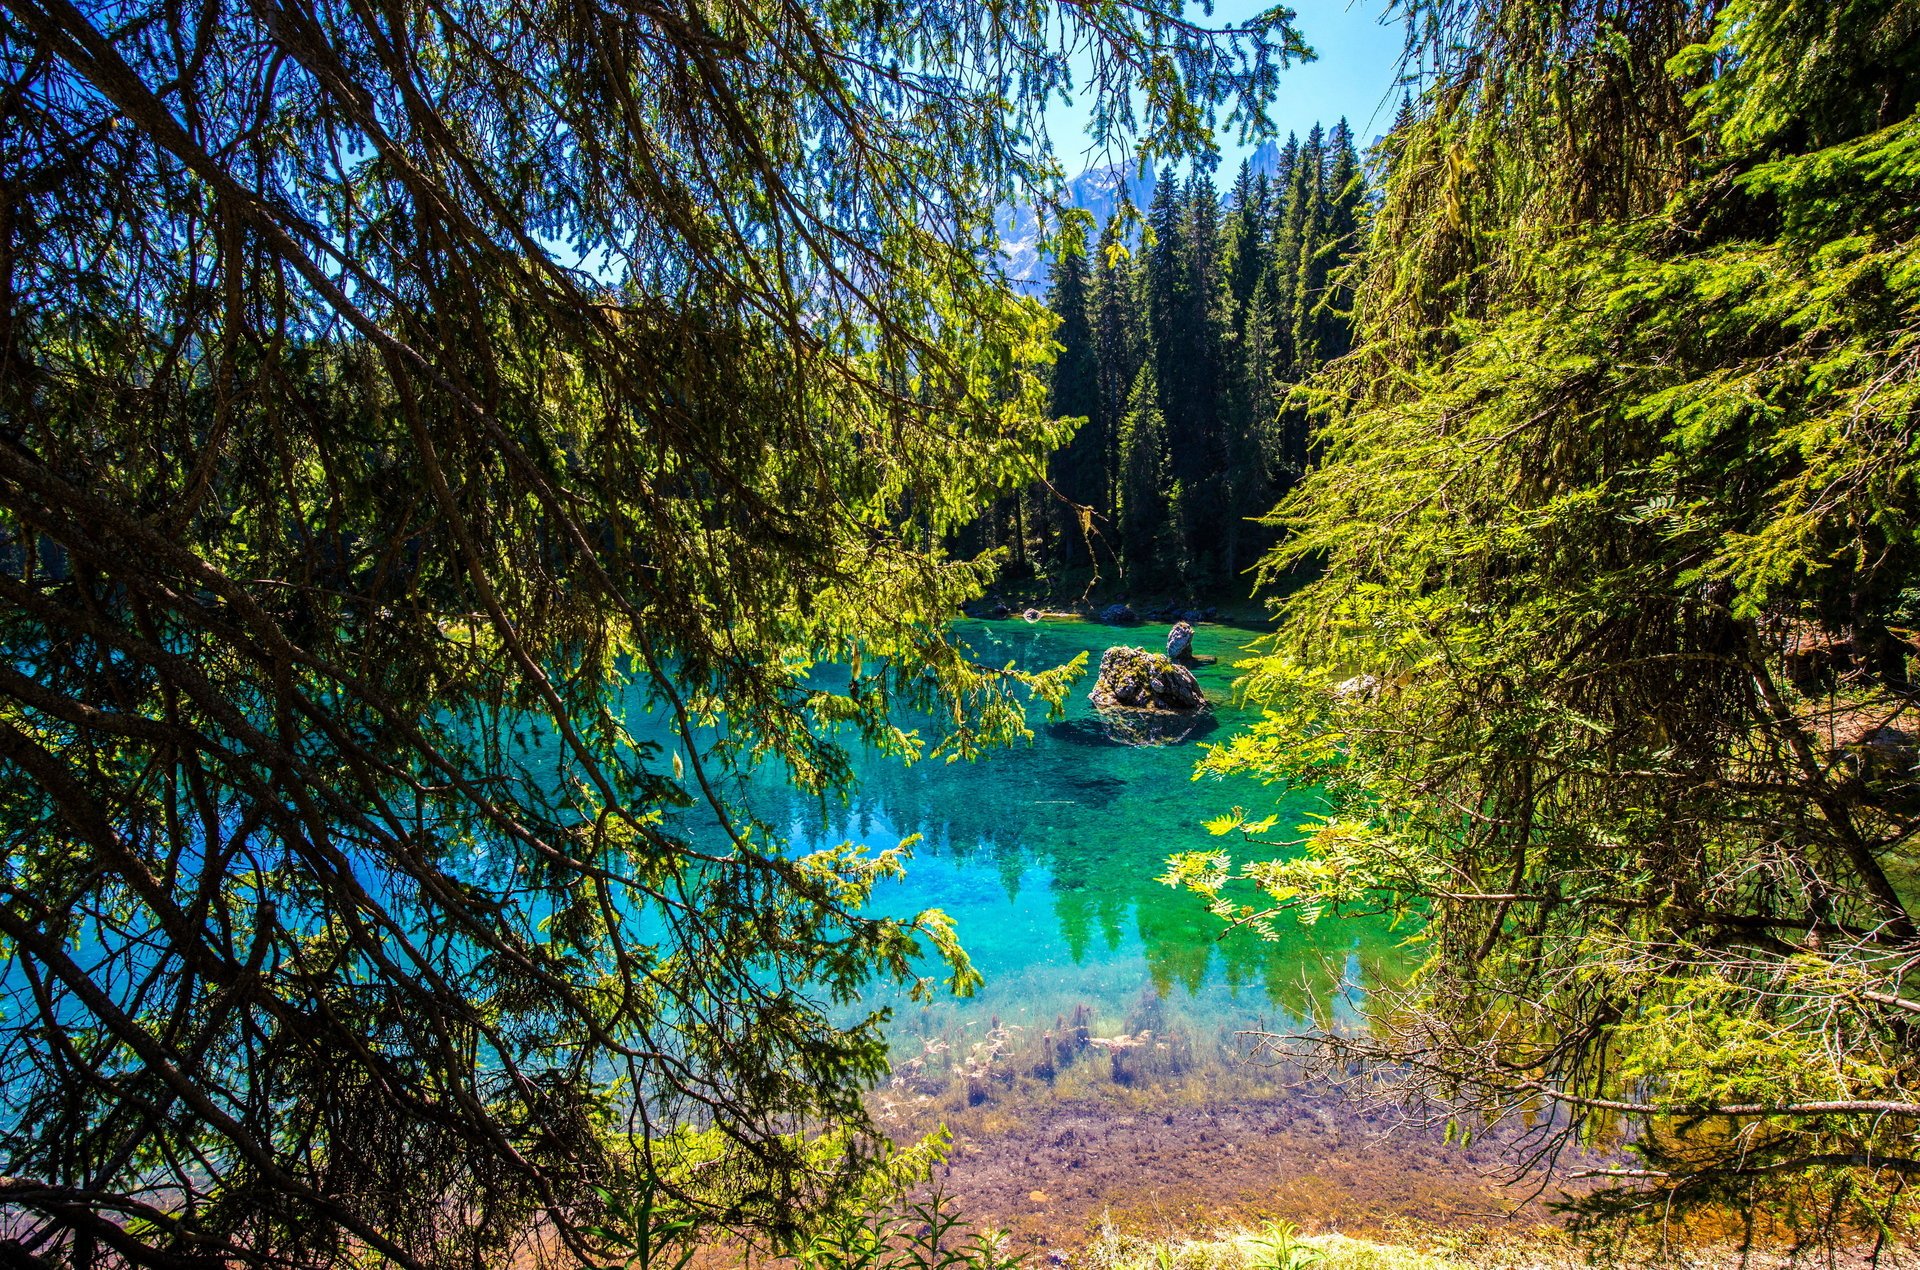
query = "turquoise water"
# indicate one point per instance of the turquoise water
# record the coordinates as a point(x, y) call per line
point(1046, 855)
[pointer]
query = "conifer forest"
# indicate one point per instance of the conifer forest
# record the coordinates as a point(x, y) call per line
point(598, 676)
point(1180, 355)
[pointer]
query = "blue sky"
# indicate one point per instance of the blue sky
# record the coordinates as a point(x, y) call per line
point(1358, 46)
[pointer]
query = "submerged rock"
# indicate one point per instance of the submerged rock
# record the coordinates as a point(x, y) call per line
point(1128, 728)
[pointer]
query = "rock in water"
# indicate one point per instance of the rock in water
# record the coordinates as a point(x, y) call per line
point(1179, 641)
point(1118, 615)
point(1135, 679)
point(1142, 698)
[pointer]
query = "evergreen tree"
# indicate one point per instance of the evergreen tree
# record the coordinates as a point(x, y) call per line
point(1117, 351)
point(1231, 305)
point(1245, 245)
point(1078, 470)
point(1295, 241)
point(1246, 489)
point(1164, 282)
point(373, 575)
point(1311, 227)
point(1142, 497)
point(1403, 117)
point(1345, 201)
point(1197, 414)
point(1284, 255)
point(1614, 633)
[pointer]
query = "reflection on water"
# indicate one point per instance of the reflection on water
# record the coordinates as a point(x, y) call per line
point(1046, 854)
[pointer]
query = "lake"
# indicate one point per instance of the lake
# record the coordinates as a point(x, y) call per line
point(1105, 1070)
point(1046, 854)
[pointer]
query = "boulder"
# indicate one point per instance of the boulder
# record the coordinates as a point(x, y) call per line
point(1031, 615)
point(1358, 688)
point(1180, 641)
point(1118, 615)
point(1881, 750)
point(1884, 766)
point(1135, 679)
point(998, 609)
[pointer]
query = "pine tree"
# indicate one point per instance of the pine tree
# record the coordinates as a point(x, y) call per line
point(1246, 237)
point(1222, 303)
point(1292, 253)
point(1625, 544)
point(1312, 229)
point(1164, 283)
point(1198, 441)
point(1078, 470)
point(1283, 252)
point(1245, 487)
point(376, 890)
point(1346, 192)
point(1117, 349)
point(1142, 496)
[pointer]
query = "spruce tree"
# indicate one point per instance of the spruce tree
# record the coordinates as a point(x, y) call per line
point(1164, 283)
point(1346, 194)
point(1613, 622)
point(1197, 422)
point(1245, 488)
point(1246, 244)
point(1284, 254)
point(1078, 470)
point(1117, 351)
point(1142, 497)
point(1312, 231)
point(440, 439)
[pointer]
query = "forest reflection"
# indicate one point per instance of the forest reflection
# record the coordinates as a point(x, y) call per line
point(1047, 856)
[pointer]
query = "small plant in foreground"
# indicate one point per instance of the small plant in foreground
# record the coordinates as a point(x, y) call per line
point(922, 1235)
point(642, 1236)
point(1279, 1247)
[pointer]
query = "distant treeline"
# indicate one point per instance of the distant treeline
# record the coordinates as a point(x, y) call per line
point(1179, 350)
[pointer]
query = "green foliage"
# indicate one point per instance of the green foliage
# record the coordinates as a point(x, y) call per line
point(1624, 439)
point(444, 444)
point(640, 1234)
point(1278, 1247)
point(924, 1234)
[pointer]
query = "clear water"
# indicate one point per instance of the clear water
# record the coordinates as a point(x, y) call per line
point(1046, 855)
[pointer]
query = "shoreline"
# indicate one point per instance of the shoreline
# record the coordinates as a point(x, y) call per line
point(1165, 1159)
